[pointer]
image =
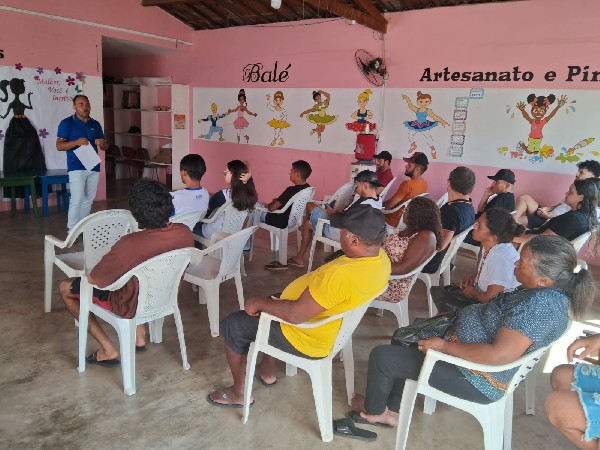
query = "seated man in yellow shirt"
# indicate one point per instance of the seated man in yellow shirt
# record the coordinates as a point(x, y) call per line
point(338, 286)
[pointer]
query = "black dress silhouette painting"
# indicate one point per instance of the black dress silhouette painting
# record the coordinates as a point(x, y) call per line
point(22, 148)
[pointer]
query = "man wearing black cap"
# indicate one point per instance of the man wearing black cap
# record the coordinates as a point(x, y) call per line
point(336, 287)
point(502, 186)
point(384, 173)
point(415, 167)
point(366, 188)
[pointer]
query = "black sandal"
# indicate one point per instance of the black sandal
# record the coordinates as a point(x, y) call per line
point(346, 428)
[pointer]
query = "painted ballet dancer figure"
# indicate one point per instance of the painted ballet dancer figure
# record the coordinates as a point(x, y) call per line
point(241, 123)
point(279, 121)
point(320, 118)
point(422, 124)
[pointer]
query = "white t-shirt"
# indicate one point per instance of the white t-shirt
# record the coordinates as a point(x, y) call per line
point(208, 229)
point(190, 200)
point(498, 267)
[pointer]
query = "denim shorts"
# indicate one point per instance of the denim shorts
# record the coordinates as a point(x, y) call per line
point(587, 386)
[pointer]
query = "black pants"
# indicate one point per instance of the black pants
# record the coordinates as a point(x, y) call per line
point(391, 365)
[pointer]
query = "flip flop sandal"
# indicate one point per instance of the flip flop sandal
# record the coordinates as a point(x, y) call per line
point(93, 359)
point(276, 265)
point(140, 348)
point(291, 262)
point(263, 382)
point(355, 417)
point(346, 428)
point(224, 396)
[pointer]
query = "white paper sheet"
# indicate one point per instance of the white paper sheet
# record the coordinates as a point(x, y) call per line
point(87, 156)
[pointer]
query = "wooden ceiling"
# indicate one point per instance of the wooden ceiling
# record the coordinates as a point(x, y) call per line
point(212, 14)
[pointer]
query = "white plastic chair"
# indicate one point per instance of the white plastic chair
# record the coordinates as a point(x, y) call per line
point(159, 280)
point(190, 218)
point(233, 221)
point(400, 309)
point(343, 196)
point(208, 272)
point(100, 230)
point(580, 241)
point(401, 225)
point(387, 188)
point(298, 205)
point(319, 370)
point(319, 236)
point(435, 279)
point(495, 418)
point(442, 200)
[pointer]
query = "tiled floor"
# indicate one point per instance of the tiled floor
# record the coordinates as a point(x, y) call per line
point(46, 403)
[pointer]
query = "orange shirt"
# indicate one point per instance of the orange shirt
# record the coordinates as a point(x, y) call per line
point(407, 190)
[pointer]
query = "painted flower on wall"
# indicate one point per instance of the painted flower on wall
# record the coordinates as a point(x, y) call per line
point(36, 78)
point(80, 76)
point(43, 133)
point(1, 135)
point(70, 81)
point(57, 70)
point(40, 70)
point(18, 66)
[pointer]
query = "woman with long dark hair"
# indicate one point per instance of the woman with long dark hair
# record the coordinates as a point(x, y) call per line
point(582, 197)
point(241, 193)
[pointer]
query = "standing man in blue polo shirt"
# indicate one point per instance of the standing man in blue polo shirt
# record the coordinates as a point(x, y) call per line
point(74, 131)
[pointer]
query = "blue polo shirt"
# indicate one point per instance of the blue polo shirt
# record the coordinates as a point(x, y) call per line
point(73, 128)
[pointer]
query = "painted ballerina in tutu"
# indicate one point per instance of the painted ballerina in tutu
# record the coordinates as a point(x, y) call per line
point(422, 124)
point(241, 123)
point(362, 116)
point(279, 121)
point(321, 118)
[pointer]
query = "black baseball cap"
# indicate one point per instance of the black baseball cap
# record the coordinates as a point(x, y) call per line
point(418, 158)
point(368, 177)
point(385, 155)
point(362, 220)
point(504, 175)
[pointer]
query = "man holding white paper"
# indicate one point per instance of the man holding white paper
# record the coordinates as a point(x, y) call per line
point(81, 136)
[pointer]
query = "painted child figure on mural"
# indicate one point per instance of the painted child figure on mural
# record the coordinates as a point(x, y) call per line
point(22, 149)
point(241, 124)
point(539, 107)
point(422, 124)
point(362, 116)
point(213, 118)
point(279, 121)
point(321, 118)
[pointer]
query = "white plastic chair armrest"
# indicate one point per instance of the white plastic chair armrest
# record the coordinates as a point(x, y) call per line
point(433, 356)
point(57, 242)
point(270, 317)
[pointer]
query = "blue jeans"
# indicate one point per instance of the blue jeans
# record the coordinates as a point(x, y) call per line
point(83, 185)
point(212, 130)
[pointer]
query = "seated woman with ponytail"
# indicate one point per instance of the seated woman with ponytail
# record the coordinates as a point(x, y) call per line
point(241, 193)
point(495, 229)
point(499, 332)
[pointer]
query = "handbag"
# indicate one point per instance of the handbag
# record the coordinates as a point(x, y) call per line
point(441, 326)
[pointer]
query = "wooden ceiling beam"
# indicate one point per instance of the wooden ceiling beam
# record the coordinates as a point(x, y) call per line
point(231, 8)
point(165, 2)
point(214, 11)
point(344, 10)
point(368, 7)
point(211, 21)
point(267, 10)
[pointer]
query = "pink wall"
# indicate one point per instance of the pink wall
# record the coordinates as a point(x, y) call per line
point(50, 42)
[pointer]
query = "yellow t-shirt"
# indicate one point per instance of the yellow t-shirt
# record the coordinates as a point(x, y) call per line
point(343, 284)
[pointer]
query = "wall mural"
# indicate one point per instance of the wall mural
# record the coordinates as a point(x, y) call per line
point(32, 103)
point(514, 128)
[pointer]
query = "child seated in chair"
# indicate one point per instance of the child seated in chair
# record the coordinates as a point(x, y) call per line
point(193, 197)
